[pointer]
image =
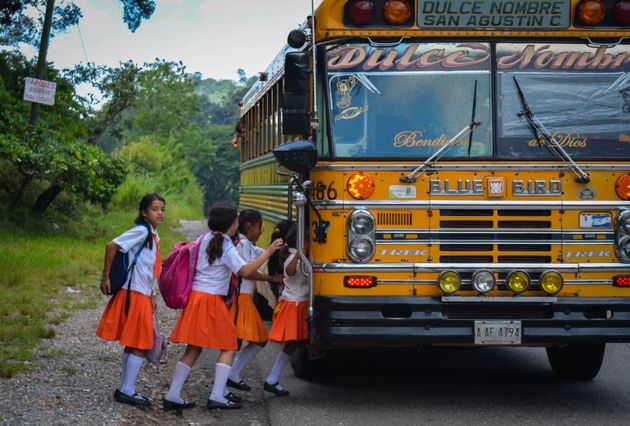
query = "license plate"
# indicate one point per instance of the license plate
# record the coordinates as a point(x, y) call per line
point(497, 332)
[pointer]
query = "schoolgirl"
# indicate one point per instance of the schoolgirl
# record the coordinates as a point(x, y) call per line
point(205, 321)
point(289, 325)
point(134, 329)
point(249, 325)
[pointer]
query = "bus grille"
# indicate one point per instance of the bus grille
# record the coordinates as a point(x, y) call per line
point(520, 236)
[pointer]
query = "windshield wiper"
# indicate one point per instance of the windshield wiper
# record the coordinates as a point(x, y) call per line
point(539, 131)
point(413, 176)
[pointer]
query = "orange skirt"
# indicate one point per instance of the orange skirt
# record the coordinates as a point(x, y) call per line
point(249, 325)
point(135, 329)
point(290, 322)
point(206, 322)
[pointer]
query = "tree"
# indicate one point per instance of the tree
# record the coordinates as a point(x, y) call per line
point(21, 20)
point(54, 152)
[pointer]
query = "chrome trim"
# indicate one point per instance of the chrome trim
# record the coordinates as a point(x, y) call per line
point(467, 267)
point(258, 161)
point(499, 299)
point(266, 214)
point(498, 282)
point(470, 204)
point(281, 189)
point(437, 241)
point(466, 167)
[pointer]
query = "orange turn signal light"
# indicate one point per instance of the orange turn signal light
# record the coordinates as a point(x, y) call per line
point(622, 186)
point(397, 11)
point(360, 186)
point(359, 282)
point(591, 12)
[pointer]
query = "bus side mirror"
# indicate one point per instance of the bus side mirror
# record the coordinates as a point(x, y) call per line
point(296, 96)
point(297, 156)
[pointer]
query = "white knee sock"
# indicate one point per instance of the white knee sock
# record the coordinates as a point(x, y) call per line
point(134, 364)
point(123, 367)
point(278, 366)
point(179, 377)
point(221, 372)
point(247, 354)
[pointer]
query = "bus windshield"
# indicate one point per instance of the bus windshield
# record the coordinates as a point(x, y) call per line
point(581, 94)
point(409, 100)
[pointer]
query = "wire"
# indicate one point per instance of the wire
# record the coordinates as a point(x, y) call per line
point(82, 44)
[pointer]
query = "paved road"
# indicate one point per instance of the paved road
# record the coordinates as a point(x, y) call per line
point(493, 386)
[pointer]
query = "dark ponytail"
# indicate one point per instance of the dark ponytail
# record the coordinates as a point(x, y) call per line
point(275, 265)
point(220, 217)
point(145, 203)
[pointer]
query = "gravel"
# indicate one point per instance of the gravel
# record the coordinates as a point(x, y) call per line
point(73, 377)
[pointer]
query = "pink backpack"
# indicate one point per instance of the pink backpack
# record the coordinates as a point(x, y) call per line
point(178, 271)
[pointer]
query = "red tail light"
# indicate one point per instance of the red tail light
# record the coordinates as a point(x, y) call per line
point(621, 12)
point(621, 281)
point(359, 282)
point(361, 12)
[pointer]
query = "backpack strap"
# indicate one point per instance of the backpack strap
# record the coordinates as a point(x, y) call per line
point(132, 269)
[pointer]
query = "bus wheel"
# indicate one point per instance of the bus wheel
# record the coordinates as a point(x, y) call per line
point(577, 361)
point(303, 365)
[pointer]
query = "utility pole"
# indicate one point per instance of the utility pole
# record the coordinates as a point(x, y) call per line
point(41, 58)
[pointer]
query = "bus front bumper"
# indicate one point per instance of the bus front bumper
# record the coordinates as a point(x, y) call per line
point(408, 321)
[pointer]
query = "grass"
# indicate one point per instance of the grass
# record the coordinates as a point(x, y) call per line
point(39, 261)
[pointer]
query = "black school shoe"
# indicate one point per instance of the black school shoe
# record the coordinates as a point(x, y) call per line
point(275, 389)
point(170, 405)
point(234, 398)
point(229, 405)
point(135, 399)
point(240, 385)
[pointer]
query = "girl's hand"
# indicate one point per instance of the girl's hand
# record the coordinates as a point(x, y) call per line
point(105, 286)
point(275, 245)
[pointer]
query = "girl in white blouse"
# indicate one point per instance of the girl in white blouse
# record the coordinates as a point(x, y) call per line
point(249, 324)
point(133, 328)
point(205, 321)
point(290, 324)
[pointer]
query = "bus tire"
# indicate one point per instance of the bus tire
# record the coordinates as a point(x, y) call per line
point(303, 365)
point(576, 361)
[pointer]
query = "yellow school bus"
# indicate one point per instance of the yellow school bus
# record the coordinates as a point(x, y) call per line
point(462, 171)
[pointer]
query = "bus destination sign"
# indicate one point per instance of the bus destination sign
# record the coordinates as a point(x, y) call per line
point(503, 14)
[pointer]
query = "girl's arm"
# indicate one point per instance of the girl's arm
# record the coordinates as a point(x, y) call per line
point(250, 268)
point(292, 265)
point(258, 276)
point(110, 253)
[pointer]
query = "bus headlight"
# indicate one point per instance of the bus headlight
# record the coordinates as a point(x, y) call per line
point(518, 281)
point(361, 249)
point(551, 282)
point(361, 222)
point(622, 236)
point(483, 281)
point(361, 236)
point(449, 282)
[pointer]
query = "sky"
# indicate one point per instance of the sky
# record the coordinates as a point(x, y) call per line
point(213, 37)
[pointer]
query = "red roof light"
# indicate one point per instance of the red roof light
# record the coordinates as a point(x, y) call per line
point(621, 12)
point(361, 12)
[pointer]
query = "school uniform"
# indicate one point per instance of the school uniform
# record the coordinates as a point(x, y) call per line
point(205, 321)
point(249, 325)
point(290, 321)
point(134, 329)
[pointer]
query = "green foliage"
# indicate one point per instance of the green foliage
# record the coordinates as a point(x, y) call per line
point(55, 150)
point(21, 20)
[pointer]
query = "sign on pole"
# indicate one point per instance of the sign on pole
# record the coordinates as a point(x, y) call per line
point(40, 91)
